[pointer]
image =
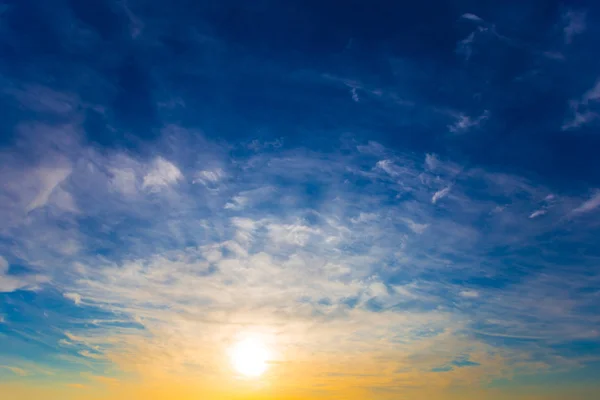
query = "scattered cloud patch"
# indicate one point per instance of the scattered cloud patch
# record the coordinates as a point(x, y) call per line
point(354, 95)
point(76, 298)
point(49, 180)
point(431, 162)
point(469, 294)
point(589, 205)
point(582, 109)
point(9, 282)
point(580, 119)
point(440, 194)
point(575, 24)
point(471, 17)
point(209, 178)
point(258, 145)
point(124, 180)
point(415, 227)
point(162, 173)
point(465, 123)
point(538, 213)
point(249, 198)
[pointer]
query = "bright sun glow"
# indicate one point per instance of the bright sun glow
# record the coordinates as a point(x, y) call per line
point(249, 357)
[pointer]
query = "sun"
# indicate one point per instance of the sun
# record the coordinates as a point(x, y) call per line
point(249, 357)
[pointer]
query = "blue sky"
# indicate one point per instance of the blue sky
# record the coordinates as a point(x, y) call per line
point(411, 183)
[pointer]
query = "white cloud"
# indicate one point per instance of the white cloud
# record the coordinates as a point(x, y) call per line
point(124, 180)
point(389, 167)
point(49, 179)
point(440, 194)
point(575, 24)
point(580, 108)
point(371, 147)
point(162, 173)
point(471, 17)
point(580, 119)
point(364, 217)
point(73, 296)
point(431, 161)
point(538, 213)
point(10, 283)
point(354, 95)
point(592, 94)
point(498, 209)
point(209, 177)
point(136, 26)
point(464, 46)
point(249, 198)
point(464, 123)
point(293, 234)
point(469, 294)
point(589, 205)
point(416, 228)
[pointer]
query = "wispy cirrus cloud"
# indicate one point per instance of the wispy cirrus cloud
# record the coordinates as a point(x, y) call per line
point(440, 194)
point(589, 205)
point(583, 109)
point(465, 123)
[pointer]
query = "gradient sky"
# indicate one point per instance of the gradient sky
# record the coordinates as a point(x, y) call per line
point(401, 199)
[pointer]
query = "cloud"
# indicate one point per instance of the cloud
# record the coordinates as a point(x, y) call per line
point(582, 114)
point(469, 294)
point(162, 173)
point(440, 194)
point(431, 161)
point(124, 180)
point(589, 205)
point(416, 228)
point(575, 24)
point(537, 213)
point(364, 217)
point(49, 180)
point(464, 46)
point(465, 123)
point(136, 26)
point(592, 94)
point(73, 296)
point(354, 95)
point(209, 177)
point(471, 17)
point(249, 198)
point(10, 283)
point(15, 370)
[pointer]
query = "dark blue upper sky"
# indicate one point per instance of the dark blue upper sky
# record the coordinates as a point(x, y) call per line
point(264, 64)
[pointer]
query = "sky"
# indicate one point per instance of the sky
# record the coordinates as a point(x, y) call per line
point(397, 199)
